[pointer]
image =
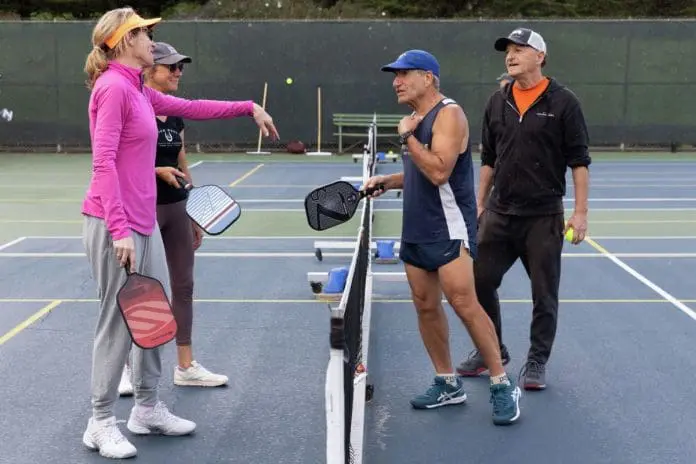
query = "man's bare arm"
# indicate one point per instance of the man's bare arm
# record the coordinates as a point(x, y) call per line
point(581, 180)
point(450, 134)
point(394, 181)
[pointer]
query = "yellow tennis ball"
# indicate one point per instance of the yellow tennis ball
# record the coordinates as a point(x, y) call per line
point(288, 80)
point(570, 234)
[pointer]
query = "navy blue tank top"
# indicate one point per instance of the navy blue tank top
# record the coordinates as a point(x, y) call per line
point(433, 213)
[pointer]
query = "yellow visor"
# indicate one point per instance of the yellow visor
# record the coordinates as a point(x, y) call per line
point(134, 22)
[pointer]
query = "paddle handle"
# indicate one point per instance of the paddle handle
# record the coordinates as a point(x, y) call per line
point(127, 267)
point(371, 190)
point(182, 182)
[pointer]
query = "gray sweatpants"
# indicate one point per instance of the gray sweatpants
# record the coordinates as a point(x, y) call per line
point(112, 342)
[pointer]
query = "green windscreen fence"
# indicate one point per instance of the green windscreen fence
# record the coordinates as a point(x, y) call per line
point(635, 79)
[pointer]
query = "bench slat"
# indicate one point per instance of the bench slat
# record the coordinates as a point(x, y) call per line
point(355, 120)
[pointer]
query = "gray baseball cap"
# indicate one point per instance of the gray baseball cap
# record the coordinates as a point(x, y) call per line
point(522, 36)
point(166, 54)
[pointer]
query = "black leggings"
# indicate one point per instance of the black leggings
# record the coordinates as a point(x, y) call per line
point(177, 234)
point(538, 242)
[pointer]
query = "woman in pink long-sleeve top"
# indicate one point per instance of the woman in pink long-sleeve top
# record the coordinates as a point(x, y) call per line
point(120, 216)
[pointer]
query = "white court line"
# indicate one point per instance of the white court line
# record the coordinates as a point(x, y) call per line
point(12, 243)
point(349, 237)
point(645, 177)
point(255, 237)
point(274, 186)
point(638, 185)
point(311, 186)
point(634, 200)
point(299, 254)
point(600, 221)
point(639, 209)
point(647, 237)
point(292, 200)
point(296, 210)
point(399, 200)
point(648, 283)
point(225, 254)
point(197, 163)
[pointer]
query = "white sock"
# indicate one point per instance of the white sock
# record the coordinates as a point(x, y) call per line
point(502, 378)
point(449, 378)
point(144, 409)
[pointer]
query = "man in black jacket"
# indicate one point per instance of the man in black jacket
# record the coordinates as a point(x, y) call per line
point(533, 130)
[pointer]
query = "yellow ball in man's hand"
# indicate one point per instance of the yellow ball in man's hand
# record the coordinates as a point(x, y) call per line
point(570, 234)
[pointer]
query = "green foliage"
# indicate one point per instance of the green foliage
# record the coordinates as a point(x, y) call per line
point(84, 9)
point(315, 9)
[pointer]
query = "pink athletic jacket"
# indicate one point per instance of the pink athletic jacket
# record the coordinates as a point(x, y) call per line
point(123, 131)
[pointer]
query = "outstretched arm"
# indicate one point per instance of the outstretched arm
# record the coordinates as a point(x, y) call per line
point(168, 105)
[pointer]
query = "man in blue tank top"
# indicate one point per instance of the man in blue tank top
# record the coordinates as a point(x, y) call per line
point(438, 241)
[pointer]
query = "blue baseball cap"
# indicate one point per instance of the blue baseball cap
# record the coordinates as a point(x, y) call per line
point(414, 59)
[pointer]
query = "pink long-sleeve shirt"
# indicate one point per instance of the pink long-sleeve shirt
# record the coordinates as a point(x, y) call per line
point(123, 131)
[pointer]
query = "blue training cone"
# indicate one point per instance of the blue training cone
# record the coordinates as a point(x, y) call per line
point(385, 252)
point(337, 280)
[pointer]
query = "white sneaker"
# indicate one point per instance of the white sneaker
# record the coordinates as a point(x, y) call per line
point(125, 388)
point(197, 376)
point(158, 419)
point(106, 437)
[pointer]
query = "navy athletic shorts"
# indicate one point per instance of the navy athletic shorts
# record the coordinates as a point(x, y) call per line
point(430, 256)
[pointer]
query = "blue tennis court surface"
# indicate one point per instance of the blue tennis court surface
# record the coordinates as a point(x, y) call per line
point(618, 380)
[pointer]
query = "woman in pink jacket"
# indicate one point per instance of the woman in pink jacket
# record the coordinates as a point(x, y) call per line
point(120, 216)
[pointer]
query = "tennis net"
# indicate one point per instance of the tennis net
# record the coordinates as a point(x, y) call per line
point(346, 380)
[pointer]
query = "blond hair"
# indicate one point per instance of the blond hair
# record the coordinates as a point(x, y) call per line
point(98, 59)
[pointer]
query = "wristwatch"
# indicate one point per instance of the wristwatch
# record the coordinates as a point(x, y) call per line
point(403, 137)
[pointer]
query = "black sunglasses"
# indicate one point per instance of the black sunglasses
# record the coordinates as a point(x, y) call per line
point(174, 67)
point(146, 30)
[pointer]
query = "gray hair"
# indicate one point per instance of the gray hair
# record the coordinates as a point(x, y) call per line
point(436, 80)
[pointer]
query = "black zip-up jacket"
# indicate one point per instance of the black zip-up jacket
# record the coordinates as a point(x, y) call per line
point(530, 155)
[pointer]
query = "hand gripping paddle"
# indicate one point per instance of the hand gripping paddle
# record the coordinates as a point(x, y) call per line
point(146, 310)
point(333, 204)
point(210, 207)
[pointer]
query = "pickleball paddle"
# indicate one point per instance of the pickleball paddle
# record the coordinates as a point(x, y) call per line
point(210, 207)
point(334, 204)
point(146, 310)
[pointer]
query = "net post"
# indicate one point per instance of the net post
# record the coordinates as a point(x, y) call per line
point(360, 373)
point(334, 393)
point(349, 389)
